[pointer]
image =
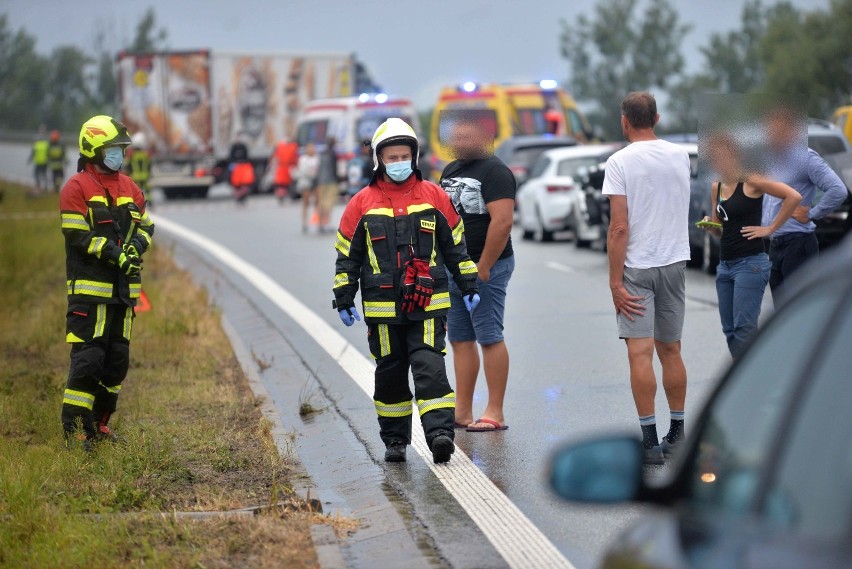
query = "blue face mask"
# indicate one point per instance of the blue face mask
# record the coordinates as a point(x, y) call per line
point(114, 158)
point(399, 171)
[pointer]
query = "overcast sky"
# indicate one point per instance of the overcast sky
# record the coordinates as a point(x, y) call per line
point(412, 47)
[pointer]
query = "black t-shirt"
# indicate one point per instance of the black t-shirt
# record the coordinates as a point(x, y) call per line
point(471, 184)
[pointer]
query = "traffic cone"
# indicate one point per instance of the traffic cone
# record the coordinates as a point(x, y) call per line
point(143, 305)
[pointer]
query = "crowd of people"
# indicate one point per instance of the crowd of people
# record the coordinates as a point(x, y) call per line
point(433, 262)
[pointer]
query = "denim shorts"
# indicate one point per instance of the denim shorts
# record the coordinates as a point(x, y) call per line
point(485, 325)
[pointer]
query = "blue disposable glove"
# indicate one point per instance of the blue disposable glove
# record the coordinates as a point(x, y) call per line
point(349, 315)
point(471, 301)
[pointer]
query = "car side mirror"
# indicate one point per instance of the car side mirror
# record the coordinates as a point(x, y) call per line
point(600, 471)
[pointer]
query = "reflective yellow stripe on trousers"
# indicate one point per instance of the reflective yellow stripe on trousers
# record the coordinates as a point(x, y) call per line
point(79, 398)
point(384, 341)
point(128, 324)
point(448, 401)
point(402, 409)
point(429, 332)
point(100, 322)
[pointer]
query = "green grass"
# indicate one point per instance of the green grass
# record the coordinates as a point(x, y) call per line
point(193, 437)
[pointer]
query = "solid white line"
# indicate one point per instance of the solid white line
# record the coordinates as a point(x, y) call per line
point(512, 534)
point(560, 267)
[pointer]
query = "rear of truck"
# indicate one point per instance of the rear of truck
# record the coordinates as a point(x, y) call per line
point(166, 97)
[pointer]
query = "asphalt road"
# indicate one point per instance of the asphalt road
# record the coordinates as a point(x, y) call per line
point(569, 375)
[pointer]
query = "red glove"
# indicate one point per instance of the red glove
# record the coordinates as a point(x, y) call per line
point(417, 285)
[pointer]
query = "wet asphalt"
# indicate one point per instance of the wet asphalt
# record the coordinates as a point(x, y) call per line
point(568, 375)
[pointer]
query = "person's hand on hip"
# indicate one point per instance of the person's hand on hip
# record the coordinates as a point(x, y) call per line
point(625, 303)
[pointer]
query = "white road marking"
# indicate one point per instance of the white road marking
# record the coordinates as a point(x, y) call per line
point(511, 533)
point(561, 268)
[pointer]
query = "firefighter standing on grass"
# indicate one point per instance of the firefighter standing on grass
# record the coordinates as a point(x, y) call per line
point(106, 232)
point(396, 237)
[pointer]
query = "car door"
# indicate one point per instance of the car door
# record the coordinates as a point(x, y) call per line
point(722, 503)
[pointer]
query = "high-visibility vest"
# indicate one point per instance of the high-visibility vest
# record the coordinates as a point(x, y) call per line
point(40, 152)
point(140, 166)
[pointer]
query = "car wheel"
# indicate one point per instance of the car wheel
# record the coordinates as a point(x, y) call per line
point(527, 235)
point(710, 255)
point(541, 235)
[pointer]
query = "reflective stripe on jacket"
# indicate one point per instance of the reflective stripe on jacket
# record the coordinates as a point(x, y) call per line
point(381, 227)
point(100, 213)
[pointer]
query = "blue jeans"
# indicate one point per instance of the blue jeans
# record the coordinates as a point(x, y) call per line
point(485, 325)
point(740, 284)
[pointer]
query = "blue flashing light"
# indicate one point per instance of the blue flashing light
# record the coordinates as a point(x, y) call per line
point(469, 87)
point(548, 84)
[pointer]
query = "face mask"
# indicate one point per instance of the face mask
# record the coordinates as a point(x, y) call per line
point(399, 171)
point(114, 158)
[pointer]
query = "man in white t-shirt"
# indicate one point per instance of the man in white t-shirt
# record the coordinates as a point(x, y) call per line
point(648, 245)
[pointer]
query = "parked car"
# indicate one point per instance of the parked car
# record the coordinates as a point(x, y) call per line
point(825, 139)
point(519, 153)
point(764, 478)
point(552, 200)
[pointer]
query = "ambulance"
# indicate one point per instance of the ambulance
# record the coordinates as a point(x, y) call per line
point(351, 121)
point(505, 111)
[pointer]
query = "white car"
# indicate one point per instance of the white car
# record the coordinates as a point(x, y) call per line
point(553, 200)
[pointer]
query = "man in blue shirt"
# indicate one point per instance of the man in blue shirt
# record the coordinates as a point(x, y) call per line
point(796, 165)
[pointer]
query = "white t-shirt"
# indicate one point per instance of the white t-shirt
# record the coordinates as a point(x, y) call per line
point(654, 175)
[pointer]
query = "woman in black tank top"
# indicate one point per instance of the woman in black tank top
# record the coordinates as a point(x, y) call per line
point(744, 267)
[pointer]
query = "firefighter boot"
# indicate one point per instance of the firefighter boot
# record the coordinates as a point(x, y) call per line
point(395, 452)
point(442, 449)
point(103, 432)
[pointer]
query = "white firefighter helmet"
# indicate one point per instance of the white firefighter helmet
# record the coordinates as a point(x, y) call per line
point(394, 131)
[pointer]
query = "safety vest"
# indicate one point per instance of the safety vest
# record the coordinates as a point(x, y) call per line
point(140, 166)
point(100, 214)
point(40, 152)
point(377, 236)
point(56, 156)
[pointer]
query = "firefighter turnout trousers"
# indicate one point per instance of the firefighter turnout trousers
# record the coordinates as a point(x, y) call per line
point(420, 346)
point(99, 335)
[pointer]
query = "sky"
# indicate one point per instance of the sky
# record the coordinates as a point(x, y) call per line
point(412, 47)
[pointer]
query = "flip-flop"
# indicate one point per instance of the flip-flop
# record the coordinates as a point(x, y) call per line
point(497, 426)
point(459, 425)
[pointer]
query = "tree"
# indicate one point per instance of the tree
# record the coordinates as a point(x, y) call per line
point(67, 101)
point(22, 78)
point(796, 64)
point(618, 51)
point(146, 38)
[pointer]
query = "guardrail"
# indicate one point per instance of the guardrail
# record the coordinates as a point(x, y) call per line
point(30, 136)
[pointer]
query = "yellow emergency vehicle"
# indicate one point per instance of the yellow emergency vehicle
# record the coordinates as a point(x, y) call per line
point(505, 111)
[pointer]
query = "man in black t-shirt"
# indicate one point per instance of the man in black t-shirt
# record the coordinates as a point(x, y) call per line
point(482, 189)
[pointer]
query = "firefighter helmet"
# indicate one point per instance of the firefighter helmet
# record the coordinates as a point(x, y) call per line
point(101, 131)
point(394, 131)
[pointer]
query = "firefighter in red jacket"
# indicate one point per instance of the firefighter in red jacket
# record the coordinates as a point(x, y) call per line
point(106, 233)
point(398, 238)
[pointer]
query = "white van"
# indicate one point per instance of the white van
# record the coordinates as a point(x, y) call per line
point(351, 121)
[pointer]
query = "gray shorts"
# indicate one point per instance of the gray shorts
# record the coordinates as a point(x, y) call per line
point(663, 292)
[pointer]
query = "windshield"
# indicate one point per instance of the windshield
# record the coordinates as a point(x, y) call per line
point(449, 118)
point(825, 145)
point(532, 121)
point(527, 155)
point(312, 131)
point(569, 166)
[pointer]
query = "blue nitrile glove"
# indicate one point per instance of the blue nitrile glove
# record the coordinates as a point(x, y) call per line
point(349, 315)
point(471, 301)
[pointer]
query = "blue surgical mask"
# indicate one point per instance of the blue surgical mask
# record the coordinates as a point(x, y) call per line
point(114, 158)
point(399, 171)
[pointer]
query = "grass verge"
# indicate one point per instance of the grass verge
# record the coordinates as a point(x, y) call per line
point(193, 436)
